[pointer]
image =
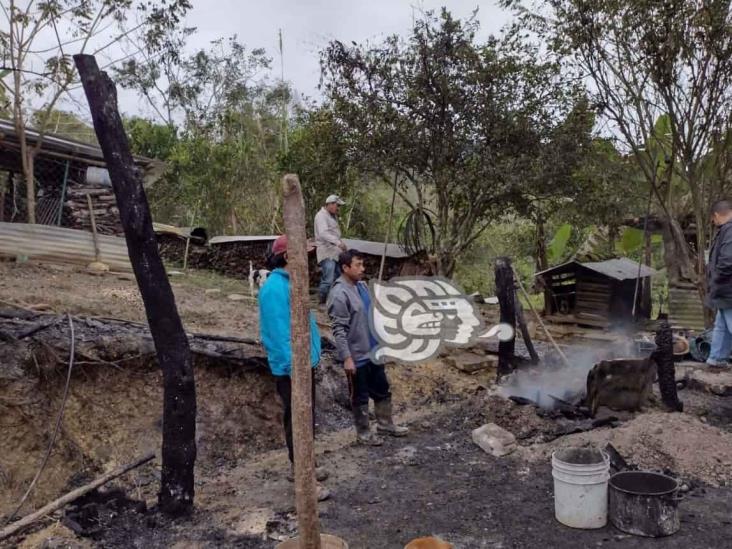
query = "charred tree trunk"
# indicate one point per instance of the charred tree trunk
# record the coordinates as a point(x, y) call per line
point(664, 358)
point(171, 343)
point(506, 292)
point(525, 331)
point(306, 500)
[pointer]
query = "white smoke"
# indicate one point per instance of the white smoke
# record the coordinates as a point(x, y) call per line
point(552, 378)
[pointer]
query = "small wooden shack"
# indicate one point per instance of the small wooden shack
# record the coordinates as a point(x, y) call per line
point(598, 294)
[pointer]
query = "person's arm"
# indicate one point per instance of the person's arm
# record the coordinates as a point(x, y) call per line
point(340, 318)
point(325, 233)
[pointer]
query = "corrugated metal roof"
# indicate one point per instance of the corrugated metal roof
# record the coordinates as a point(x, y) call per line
point(58, 143)
point(394, 251)
point(619, 269)
point(61, 245)
point(198, 233)
point(252, 239)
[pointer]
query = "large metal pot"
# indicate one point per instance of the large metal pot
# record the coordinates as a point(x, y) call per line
point(644, 503)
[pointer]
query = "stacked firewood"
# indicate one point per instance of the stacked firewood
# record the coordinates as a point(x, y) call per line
point(104, 207)
point(232, 259)
point(173, 250)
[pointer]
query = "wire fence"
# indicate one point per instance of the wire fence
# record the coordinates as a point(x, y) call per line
point(54, 178)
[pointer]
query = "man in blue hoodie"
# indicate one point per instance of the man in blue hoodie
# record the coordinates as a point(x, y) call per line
point(274, 326)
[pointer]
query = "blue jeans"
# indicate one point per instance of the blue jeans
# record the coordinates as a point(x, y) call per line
point(721, 337)
point(329, 271)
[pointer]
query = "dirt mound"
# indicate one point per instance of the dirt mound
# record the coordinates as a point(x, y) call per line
point(114, 415)
point(657, 441)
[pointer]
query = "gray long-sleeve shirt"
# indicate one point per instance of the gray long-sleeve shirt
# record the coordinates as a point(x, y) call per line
point(327, 235)
point(349, 321)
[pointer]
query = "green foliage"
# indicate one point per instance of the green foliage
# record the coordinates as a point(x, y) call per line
point(631, 241)
point(457, 121)
point(150, 139)
point(317, 152)
point(558, 245)
point(66, 124)
point(515, 239)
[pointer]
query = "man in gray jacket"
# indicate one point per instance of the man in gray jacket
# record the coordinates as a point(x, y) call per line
point(719, 285)
point(349, 304)
point(328, 243)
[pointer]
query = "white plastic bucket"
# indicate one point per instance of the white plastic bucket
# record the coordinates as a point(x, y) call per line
point(580, 487)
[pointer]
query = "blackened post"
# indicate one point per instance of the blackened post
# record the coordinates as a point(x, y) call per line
point(525, 331)
point(306, 501)
point(171, 343)
point(664, 358)
point(506, 293)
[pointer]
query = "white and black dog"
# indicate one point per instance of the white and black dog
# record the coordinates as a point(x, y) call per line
point(257, 277)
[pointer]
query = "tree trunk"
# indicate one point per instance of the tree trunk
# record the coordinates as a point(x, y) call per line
point(29, 175)
point(171, 344)
point(542, 261)
point(306, 500)
point(676, 253)
point(506, 293)
point(701, 246)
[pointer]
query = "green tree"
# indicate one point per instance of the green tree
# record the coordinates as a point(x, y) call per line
point(318, 152)
point(452, 121)
point(647, 59)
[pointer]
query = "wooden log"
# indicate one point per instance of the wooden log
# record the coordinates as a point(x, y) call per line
point(506, 293)
point(306, 500)
point(171, 344)
point(111, 340)
point(56, 504)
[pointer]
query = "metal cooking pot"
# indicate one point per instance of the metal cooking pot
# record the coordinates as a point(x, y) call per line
point(644, 503)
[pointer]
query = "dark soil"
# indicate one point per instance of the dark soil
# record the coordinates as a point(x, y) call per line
point(435, 482)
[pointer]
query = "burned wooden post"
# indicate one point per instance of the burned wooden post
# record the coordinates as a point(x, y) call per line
point(664, 358)
point(171, 343)
point(306, 500)
point(525, 331)
point(506, 293)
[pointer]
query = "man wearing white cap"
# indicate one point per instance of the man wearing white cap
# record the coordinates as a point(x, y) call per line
point(328, 244)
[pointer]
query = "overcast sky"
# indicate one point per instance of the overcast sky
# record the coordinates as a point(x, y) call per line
point(308, 25)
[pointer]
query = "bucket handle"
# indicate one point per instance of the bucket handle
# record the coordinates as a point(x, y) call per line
point(676, 497)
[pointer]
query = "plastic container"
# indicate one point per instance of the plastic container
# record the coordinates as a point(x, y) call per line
point(326, 542)
point(580, 487)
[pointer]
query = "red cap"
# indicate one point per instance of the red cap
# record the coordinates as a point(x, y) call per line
point(280, 245)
